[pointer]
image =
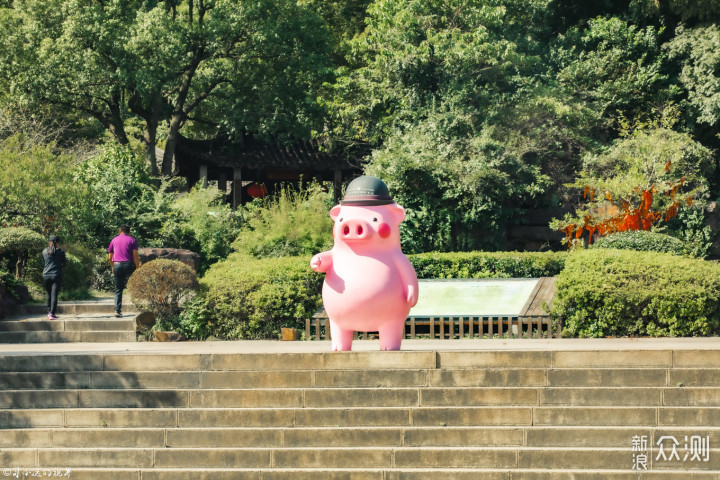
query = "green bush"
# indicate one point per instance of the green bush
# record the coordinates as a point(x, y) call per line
point(160, 287)
point(253, 298)
point(641, 241)
point(76, 279)
point(290, 224)
point(101, 275)
point(202, 222)
point(18, 243)
point(9, 281)
point(618, 292)
point(77, 273)
point(691, 228)
point(488, 264)
point(195, 320)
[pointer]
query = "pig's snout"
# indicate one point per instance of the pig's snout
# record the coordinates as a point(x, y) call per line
point(355, 230)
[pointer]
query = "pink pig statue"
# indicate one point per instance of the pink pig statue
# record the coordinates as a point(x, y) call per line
point(370, 284)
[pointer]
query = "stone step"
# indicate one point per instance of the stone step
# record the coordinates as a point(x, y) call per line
point(167, 417)
point(371, 474)
point(66, 308)
point(71, 328)
point(349, 457)
point(507, 377)
point(73, 324)
point(561, 368)
point(303, 437)
point(381, 415)
point(67, 337)
point(360, 397)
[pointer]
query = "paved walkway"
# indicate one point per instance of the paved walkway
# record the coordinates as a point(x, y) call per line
point(276, 346)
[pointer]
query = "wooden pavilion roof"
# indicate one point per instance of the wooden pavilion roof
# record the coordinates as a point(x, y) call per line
point(256, 154)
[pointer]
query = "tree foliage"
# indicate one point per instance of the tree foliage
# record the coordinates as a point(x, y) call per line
point(473, 110)
point(35, 183)
point(459, 192)
point(420, 56)
point(697, 52)
point(115, 189)
point(161, 61)
point(614, 66)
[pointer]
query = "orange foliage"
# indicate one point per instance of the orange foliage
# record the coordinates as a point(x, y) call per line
point(640, 218)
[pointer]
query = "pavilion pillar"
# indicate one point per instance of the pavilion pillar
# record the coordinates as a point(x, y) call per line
point(222, 183)
point(237, 187)
point(337, 185)
point(204, 175)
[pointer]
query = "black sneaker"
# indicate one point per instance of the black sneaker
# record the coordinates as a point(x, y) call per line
point(118, 315)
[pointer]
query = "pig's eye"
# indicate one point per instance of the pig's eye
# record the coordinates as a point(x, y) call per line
point(374, 219)
point(340, 220)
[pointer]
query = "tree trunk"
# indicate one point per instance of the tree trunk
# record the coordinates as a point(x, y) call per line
point(116, 124)
point(151, 114)
point(20, 264)
point(119, 134)
point(180, 111)
point(171, 143)
point(149, 140)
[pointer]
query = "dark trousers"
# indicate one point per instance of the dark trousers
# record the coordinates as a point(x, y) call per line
point(121, 274)
point(52, 287)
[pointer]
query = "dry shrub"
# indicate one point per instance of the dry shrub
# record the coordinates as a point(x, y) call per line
point(161, 286)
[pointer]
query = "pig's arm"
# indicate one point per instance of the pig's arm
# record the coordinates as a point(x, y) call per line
point(322, 262)
point(409, 278)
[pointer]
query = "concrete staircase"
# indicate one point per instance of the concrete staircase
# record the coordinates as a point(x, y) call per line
point(362, 415)
point(85, 321)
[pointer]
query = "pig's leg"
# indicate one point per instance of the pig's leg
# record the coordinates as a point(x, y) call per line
point(391, 335)
point(341, 339)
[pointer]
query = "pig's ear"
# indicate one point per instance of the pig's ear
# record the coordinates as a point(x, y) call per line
point(398, 212)
point(335, 212)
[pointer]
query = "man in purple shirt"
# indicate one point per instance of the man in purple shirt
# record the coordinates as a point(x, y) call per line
point(124, 259)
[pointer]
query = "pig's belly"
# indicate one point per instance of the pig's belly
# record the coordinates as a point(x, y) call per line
point(364, 297)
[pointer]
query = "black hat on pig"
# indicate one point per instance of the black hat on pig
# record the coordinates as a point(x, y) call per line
point(367, 191)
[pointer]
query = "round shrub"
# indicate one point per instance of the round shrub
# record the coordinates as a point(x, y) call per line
point(641, 241)
point(161, 286)
point(13, 239)
point(605, 292)
point(488, 264)
point(18, 243)
point(253, 298)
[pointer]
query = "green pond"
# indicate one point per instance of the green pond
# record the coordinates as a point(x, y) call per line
point(486, 297)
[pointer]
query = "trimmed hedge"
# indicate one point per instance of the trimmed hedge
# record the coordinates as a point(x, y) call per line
point(488, 264)
point(604, 292)
point(642, 241)
point(253, 298)
point(245, 297)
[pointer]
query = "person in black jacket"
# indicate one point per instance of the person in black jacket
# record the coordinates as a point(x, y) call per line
point(52, 273)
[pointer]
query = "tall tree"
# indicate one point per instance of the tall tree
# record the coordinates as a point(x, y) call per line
point(697, 52)
point(162, 60)
point(613, 66)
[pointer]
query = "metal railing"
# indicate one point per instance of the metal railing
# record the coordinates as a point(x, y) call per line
point(536, 326)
